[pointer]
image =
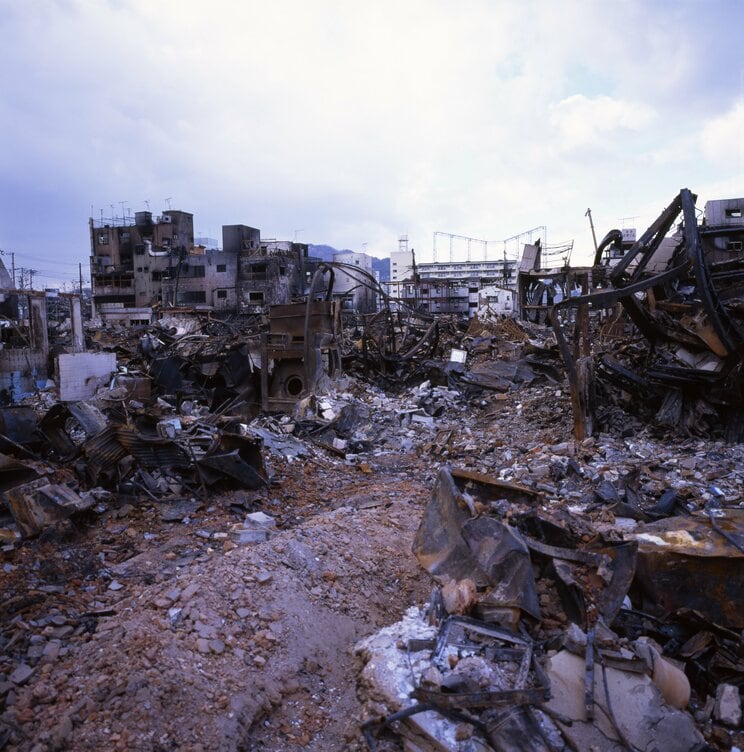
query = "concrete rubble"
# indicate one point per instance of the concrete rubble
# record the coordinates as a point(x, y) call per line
point(387, 536)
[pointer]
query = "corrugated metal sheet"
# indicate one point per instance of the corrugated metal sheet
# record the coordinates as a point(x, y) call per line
point(110, 446)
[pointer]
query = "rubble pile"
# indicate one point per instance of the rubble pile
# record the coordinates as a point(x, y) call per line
point(185, 570)
point(591, 590)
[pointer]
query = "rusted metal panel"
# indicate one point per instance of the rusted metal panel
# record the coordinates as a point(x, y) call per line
point(290, 318)
point(39, 504)
point(683, 562)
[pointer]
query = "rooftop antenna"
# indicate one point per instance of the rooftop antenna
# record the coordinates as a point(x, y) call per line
point(147, 204)
point(296, 233)
point(167, 201)
point(121, 203)
point(113, 214)
point(627, 219)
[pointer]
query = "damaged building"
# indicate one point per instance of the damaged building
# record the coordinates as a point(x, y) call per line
point(145, 265)
point(351, 288)
point(453, 287)
point(270, 272)
point(36, 351)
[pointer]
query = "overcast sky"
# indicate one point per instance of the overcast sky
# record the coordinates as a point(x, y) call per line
point(350, 124)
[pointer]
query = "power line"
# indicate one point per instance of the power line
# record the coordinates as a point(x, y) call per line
point(46, 260)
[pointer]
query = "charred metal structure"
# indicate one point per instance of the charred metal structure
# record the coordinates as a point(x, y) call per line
point(684, 294)
point(302, 343)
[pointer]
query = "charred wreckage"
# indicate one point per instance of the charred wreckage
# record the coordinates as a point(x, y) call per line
point(577, 604)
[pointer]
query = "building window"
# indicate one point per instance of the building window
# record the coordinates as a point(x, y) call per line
point(221, 267)
point(198, 271)
point(103, 238)
point(734, 245)
point(156, 276)
point(255, 297)
point(166, 242)
point(733, 213)
point(282, 271)
point(193, 296)
point(221, 293)
point(139, 250)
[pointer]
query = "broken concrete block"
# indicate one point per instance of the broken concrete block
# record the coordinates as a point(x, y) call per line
point(259, 520)
point(256, 528)
point(169, 428)
point(21, 674)
point(643, 717)
point(251, 535)
point(80, 374)
point(728, 705)
point(387, 680)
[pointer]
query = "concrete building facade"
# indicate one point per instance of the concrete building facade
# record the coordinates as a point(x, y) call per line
point(351, 289)
point(455, 287)
point(401, 265)
point(495, 271)
point(272, 273)
point(146, 265)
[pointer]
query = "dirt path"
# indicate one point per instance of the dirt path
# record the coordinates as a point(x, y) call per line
point(220, 648)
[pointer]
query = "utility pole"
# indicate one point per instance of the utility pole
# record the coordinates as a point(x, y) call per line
point(31, 273)
point(80, 270)
point(594, 235)
point(12, 262)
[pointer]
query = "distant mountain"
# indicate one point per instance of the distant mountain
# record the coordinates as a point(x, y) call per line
point(326, 252)
point(382, 266)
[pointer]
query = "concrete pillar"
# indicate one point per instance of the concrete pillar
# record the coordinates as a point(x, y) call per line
point(76, 319)
point(38, 323)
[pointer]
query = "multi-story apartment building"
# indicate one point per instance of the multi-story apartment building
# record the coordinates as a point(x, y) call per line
point(146, 264)
point(452, 287)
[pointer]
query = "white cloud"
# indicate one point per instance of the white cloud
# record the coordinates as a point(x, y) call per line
point(360, 122)
point(722, 139)
point(583, 121)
